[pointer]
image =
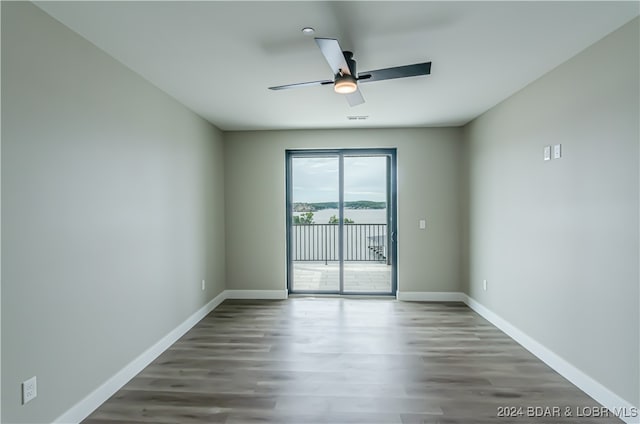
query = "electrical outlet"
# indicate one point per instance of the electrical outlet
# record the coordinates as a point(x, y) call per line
point(484, 285)
point(202, 284)
point(29, 390)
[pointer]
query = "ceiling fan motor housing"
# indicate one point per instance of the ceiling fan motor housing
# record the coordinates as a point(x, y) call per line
point(348, 57)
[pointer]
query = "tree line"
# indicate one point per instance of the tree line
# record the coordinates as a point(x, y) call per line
point(317, 206)
point(307, 218)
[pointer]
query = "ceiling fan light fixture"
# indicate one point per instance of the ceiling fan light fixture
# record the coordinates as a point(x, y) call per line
point(345, 84)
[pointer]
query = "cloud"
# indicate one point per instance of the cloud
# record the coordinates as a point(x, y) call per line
point(315, 179)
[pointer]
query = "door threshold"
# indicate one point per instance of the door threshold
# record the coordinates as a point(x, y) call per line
point(345, 295)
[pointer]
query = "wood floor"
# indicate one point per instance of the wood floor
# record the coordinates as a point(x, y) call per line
point(337, 360)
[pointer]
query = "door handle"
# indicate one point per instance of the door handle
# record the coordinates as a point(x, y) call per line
point(393, 237)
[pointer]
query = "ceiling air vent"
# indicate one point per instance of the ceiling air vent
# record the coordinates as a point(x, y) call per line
point(358, 117)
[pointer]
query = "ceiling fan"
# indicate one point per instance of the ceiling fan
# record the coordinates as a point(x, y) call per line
point(345, 80)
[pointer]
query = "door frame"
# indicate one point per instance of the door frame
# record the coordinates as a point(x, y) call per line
point(392, 212)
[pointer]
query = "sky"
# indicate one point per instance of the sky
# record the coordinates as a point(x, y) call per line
point(315, 179)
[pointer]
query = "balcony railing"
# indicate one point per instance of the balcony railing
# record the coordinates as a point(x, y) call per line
point(319, 242)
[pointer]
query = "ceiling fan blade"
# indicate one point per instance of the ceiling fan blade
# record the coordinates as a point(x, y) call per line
point(332, 52)
point(396, 72)
point(355, 98)
point(301, 84)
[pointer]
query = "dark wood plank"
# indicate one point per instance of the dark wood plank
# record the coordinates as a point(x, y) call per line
point(340, 360)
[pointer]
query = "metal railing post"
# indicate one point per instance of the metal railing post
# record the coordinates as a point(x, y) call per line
point(325, 246)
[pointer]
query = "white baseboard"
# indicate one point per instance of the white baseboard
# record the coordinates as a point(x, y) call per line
point(256, 294)
point(430, 296)
point(585, 383)
point(93, 400)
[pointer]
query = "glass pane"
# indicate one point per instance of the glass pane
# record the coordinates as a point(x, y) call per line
point(367, 266)
point(314, 229)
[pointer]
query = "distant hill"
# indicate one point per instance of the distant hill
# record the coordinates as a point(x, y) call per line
point(358, 204)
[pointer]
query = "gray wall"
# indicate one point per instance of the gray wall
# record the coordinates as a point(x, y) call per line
point(0, 234)
point(558, 241)
point(112, 214)
point(428, 186)
point(112, 197)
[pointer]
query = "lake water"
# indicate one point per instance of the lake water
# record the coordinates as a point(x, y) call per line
point(359, 216)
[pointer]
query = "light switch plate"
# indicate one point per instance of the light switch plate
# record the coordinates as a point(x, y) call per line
point(423, 224)
point(557, 151)
point(547, 152)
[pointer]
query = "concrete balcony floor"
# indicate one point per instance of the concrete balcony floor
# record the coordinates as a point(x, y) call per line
point(359, 277)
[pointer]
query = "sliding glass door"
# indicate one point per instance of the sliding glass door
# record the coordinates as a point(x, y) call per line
point(341, 221)
point(314, 233)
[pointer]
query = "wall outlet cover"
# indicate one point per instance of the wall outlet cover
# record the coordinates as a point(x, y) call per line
point(29, 390)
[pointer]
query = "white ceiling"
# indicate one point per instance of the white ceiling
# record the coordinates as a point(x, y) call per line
point(218, 58)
